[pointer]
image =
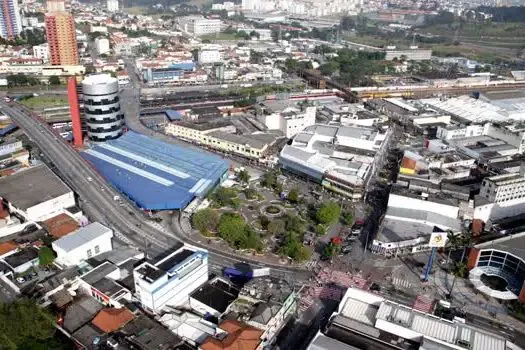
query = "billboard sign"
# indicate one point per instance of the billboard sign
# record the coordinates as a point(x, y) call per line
point(438, 239)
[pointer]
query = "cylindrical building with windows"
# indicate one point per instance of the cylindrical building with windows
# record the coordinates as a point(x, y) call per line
point(103, 116)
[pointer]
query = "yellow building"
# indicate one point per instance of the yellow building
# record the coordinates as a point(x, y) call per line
point(249, 146)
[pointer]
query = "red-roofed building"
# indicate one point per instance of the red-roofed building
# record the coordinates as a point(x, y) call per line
point(110, 319)
point(7, 247)
point(61, 225)
point(240, 337)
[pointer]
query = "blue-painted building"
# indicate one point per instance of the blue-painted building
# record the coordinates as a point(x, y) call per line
point(156, 175)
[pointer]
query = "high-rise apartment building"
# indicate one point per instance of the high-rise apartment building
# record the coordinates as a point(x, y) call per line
point(61, 37)
point(112, 5)
point(10, 21)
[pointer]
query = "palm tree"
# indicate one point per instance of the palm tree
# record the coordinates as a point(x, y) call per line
point(452, 240)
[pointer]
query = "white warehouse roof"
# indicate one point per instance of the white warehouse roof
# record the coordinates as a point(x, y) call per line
point(82, 236)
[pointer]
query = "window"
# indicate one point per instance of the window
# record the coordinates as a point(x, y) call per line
point(97, 249)
point(89, 253)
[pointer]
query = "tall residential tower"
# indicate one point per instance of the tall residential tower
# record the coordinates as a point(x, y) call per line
point(10, 21)
point(61, 36)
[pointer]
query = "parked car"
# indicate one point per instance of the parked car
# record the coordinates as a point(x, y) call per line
point(20, 280)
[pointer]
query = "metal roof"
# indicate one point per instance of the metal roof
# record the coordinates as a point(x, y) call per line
point(154, 174)
point(81, 236)
point(32, 186)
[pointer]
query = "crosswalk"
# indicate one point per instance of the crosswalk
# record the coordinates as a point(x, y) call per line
point(423, 304)
point(401, 283)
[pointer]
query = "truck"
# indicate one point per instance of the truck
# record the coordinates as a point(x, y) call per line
point(245, 274)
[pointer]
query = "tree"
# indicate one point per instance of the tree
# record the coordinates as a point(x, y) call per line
point(230, 225)
point(276, 227)
point(320, 229)
point(294, 224)
point(269, 179)
point(54, 80)
point(45, 256)
point(293, 248)
point(347, 23)
point(250, 193)
point(347, 218)
point(328, 213)
point(205, 220)
point(225, 197)
point(329, 68)
point(22, 321)
point(293, 195)
point(243, 176)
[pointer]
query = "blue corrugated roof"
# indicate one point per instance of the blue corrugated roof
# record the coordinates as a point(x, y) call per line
point(154, 174)
point(173, 115)
point(7, 129)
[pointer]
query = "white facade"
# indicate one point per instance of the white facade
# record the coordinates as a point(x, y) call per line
point(291, 120)
point(102, 45)
point(83, 244)
point(112, 5)
point(50, 208)
point(41, 52)
point(398, 201)
point(198, 25)
point(102, 111)
point(171, 280)
point(210, 56)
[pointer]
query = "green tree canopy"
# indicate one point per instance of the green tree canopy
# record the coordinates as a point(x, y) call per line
point(54, 80)
point(293, 195)
point(45, 256)
point(234, 230)
point(294, 224)
point(243, 176)
point(23, 321)
point(328, 213)
point(205, 220)
point(225, 197)
point(293, 248)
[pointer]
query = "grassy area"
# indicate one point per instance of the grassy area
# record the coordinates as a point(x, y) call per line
point(219, 36)
point(39, 102)
point(514, 31)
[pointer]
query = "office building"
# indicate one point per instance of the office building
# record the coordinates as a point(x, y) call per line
point(112, 5)
point(61, 37)
point(10, 20)
point(198, 25)
point(172, 279)
point(103, 116)
point(288, 116)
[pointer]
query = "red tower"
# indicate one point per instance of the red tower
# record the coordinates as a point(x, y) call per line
point(74, 109)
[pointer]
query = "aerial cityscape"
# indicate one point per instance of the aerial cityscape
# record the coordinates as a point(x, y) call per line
point(262, 174)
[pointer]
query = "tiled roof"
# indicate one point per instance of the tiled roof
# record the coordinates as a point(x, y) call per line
point(110, 319)
point(61, 225)
point(6, 247)
point(240, 337)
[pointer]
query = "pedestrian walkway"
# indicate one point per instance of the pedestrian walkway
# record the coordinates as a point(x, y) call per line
point(423, 304)
point(401, 283)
